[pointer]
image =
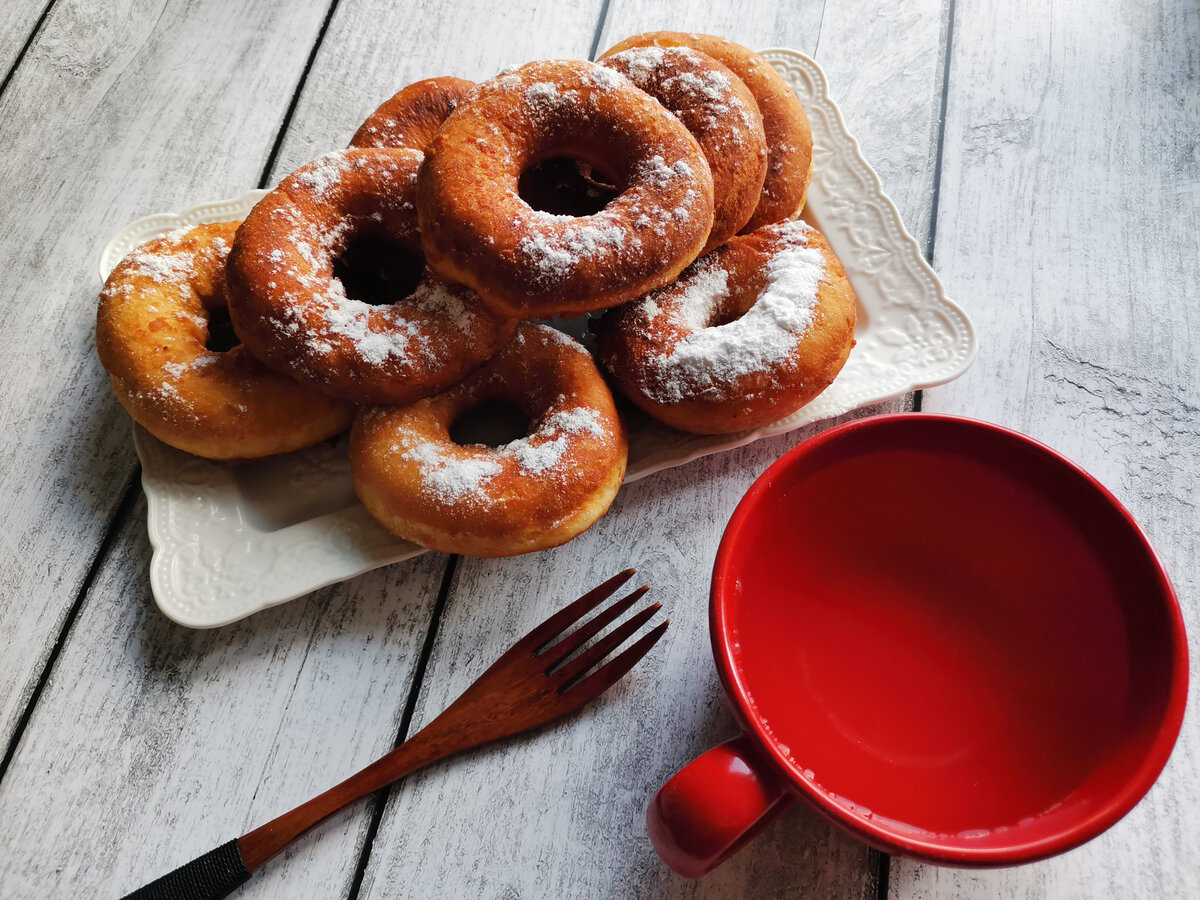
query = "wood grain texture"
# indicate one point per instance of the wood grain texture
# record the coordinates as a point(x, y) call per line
point(1070, 205)
point(561, 813)
point(276, 716)
point(892, 105)
point(111, 115)
point(153, 743)
point(18, 18)
point(374, 49)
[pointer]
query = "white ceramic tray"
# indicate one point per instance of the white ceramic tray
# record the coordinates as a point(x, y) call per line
point(232, 540)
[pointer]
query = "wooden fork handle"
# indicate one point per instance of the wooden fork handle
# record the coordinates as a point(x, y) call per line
point(216, 874)
point(422, 748)
point(220, 872)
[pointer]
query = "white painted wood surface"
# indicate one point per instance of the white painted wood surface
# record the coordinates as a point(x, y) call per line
point(1067, 226)
point(111, 115)
point(149, 744)
point(17, 21)
point(153, 743)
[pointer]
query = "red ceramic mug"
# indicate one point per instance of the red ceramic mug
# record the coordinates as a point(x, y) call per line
point(946, 638)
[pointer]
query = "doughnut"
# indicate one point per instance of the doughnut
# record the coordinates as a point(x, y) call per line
point(291, 308)
point(524, 262)
point(410, 118)
point(721, 114)
point(153, 326)
point(532, 493)
point(789, 140)
point(747, 335)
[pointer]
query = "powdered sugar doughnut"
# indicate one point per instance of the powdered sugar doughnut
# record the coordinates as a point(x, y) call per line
point(532, 493)
point(746, 336)
point(152, 328)
point(292, 310)
point(411, 117)
point(789, 140)
point(720, 112)
point(476, 228)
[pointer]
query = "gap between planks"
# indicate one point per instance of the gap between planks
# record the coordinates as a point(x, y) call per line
point(37, 26)
point(125, 507)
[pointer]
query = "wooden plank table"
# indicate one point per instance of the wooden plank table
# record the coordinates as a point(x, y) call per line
point(1047, 160)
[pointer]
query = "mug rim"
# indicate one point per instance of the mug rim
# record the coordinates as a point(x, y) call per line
point(1110, 810)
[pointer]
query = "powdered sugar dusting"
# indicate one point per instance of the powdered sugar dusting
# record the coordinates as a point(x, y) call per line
point(175, 370)
point(313, 310)
point(641, 62)
point(170, 264)
point(678, 70)
point(705, 286)
point(165, 268)
point(577, 421)
point(541, 92)
point(561, 337)
point(708, 359)
point(450, 476)
point(713, 86)
point(351, 319)
point(537, 454)
point(324, 174)
point(603, 78)
point(536, 459)
point(656, 171)
point(692, 87)
point(451, 479)
point(555, 254)
point(394, 335)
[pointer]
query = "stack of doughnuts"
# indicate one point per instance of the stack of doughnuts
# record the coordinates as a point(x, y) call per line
point(391, 285)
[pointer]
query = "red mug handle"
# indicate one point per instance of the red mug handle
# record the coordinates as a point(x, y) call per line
point(712, 806)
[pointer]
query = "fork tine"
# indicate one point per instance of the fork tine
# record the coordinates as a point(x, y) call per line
point(555, 653)
point(612, 671)
point(606, 645)
point(554, 626)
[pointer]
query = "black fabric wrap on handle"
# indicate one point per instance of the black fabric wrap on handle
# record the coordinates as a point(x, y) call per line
point(218, 873)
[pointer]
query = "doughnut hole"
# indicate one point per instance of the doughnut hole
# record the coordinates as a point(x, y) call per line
point(416, 476)
point(740, 300)
point(217, 335)
point(772, 297)
point(178, 367)
point(221, 336)
point(491, 423)
point(377, 270)
point(353, 209)
point(565, 186)
point(528, 263)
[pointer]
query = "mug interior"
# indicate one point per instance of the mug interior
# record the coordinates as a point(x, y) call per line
point(954, 641)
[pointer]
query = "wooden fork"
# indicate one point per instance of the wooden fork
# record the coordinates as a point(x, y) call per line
point(536, 681)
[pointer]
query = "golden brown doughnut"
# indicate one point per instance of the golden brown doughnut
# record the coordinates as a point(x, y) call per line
point(411, 117)
point(789, 140)
point(476, 228)
point(720, 112)
point(529, 494)
point(152, 327)
point(747, 335)
point(292, 310)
